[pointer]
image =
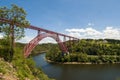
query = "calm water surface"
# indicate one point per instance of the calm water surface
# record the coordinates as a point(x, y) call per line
point(78, 71)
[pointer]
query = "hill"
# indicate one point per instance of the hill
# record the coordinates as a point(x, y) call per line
point(89, 51)
point(19, 68)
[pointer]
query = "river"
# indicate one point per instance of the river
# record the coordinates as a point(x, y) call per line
point(78, 71)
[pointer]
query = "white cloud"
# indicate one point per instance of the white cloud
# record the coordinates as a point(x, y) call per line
point(77, 35)
point(111, 33)
point(90, 24)
point(108, 32)
point(92, 32)
point(48, 40)
point(27, 39)
point(84, 33)
point(75, 30)
point(1, 36)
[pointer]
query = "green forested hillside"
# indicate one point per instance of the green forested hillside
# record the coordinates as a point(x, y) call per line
point(88, 50)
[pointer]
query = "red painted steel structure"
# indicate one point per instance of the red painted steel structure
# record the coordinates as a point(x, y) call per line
point(43, 33)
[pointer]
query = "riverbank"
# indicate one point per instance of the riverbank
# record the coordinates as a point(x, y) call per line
point(49, 61)
point(53, 62)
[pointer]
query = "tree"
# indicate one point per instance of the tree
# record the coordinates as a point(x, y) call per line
point(12, 24)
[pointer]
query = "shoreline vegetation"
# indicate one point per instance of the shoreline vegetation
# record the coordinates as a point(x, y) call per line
point(88, 63)
point(87, 51)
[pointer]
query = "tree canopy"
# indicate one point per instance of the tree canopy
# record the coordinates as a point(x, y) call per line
point(17, 18)
point(12, 24)
point(89, 50)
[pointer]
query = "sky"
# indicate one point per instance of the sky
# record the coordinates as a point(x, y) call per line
point(94, 19)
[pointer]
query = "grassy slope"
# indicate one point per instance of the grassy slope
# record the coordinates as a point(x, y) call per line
point(20, 68)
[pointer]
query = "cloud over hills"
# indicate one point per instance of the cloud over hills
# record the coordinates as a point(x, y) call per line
point(108, 32)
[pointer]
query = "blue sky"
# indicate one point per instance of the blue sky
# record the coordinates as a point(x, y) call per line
point(79, 18)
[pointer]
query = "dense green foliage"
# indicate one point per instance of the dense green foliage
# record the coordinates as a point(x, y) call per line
point(4, 49)
point(17, 17)
point(24, 69)
point(88, 50)
point(41, 48)
point(98, 47)
point(12, 25)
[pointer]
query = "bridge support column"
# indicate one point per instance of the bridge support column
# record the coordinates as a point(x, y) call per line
point(39, 32)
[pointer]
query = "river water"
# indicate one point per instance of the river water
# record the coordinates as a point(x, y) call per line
point(78, 71)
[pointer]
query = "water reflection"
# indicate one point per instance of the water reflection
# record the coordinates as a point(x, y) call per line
point(78, 71)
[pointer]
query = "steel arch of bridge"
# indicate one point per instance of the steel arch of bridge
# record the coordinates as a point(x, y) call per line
point(34, 42)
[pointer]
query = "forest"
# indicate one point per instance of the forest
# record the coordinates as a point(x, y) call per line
point(88, 51)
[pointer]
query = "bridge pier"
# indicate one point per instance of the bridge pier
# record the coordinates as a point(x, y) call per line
point(39, 32)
